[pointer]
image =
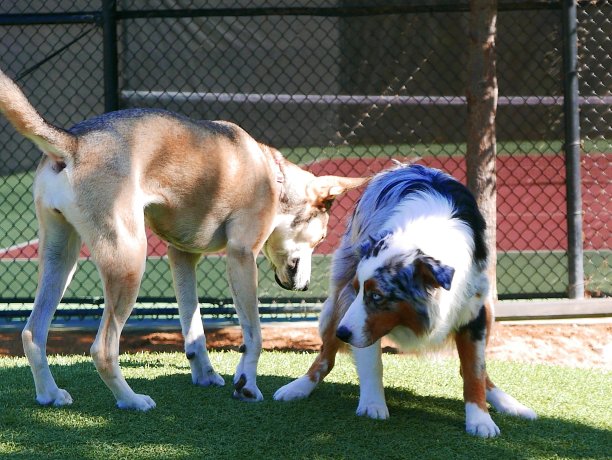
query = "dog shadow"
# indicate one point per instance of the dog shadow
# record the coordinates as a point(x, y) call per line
point(194, 421)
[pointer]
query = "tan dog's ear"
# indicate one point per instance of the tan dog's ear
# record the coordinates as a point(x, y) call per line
point(324, 189)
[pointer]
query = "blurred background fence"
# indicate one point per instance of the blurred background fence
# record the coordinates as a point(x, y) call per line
point(339, 89)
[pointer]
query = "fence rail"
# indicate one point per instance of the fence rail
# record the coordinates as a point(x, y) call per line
point(341, 89)
point(131, 96)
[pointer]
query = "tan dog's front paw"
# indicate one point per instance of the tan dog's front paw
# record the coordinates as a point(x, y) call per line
point(202, 372)
point(137, 402)
point(375, 411)
point(57, 398)
point(207, 379)
point(244, 391)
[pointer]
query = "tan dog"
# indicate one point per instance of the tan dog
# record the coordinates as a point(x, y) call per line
point(203, 186)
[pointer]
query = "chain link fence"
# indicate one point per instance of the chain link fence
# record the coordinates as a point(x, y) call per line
point(338, 89)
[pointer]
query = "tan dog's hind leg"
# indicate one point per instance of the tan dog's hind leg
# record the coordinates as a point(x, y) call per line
point(242, 275)
point(183, 265)
point(59, 247)
point(121, 263)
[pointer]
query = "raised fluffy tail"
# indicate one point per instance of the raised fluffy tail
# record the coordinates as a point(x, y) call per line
point(55, 142)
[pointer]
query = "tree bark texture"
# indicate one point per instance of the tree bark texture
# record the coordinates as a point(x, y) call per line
point(482, 107)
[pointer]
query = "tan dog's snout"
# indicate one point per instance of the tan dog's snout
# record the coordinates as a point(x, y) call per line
point(292, 276)
point(291, 285)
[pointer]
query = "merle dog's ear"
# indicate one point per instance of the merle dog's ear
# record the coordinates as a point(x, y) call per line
point(433, 272)
point(366, 247)
point(373, 244)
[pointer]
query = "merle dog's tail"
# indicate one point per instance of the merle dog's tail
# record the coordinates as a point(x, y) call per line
point(54, 142)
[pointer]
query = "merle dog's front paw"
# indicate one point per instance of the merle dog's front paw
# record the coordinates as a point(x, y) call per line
point(298, 389)
point(479, 423)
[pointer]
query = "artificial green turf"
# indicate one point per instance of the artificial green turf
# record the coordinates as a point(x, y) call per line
point(424, 398)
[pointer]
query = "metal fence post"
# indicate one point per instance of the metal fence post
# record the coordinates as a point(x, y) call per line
point(111, 71)
point(572, 150)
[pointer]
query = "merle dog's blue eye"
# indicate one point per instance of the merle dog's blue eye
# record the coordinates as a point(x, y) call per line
point(376, 296)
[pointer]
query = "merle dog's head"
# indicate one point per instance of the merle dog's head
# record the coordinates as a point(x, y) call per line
point(394, 288)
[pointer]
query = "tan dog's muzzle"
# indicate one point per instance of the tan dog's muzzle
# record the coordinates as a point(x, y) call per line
point(292, 283)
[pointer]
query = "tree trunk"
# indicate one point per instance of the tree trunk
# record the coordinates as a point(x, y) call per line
point(482, 107)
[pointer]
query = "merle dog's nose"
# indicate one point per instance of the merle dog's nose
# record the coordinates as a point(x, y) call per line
point(344, 333)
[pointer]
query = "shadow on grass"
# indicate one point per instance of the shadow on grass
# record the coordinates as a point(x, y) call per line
point(195, 422)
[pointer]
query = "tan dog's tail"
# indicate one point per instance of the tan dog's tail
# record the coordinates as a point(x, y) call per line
point(55, 142)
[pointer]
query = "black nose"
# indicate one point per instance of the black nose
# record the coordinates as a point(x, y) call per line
point(344, 333)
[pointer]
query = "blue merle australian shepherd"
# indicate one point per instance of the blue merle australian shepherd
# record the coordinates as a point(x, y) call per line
point(412, 264)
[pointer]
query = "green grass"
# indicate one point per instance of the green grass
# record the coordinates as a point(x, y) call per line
point(424, 398)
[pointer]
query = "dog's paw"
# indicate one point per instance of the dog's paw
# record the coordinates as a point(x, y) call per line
point(207, 379)
point(506, 404)
point(298, 389)
point(56, 398)
point(376, 411)
point(522, 411)
point(137, 402)
point(245, 391)
point(483, 429)
point(479, 423)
